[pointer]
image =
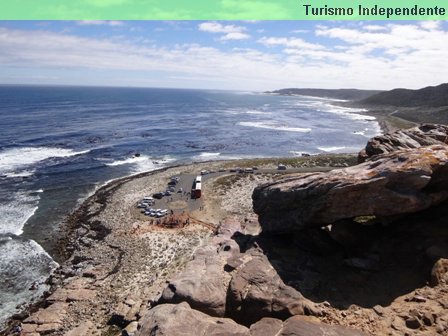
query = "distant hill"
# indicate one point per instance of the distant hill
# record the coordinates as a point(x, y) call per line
point(345, 94)
point(431, 96)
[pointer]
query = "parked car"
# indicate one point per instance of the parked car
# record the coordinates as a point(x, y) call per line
point(158, 195)
point(281, 167)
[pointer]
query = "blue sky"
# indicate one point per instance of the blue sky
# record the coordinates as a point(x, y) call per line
point(241, 55)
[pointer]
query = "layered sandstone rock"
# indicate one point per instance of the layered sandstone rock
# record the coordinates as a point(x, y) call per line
point(401, 182)
point(257, 291)
point(423, 135)
point(204, 281)
point(299, 326)
point(180, 319)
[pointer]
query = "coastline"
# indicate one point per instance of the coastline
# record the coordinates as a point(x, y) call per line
point(83, 232)
point(104, 248)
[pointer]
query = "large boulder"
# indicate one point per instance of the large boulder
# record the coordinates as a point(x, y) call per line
point(401, 182)
point(423, 135)
point(257, 291)
point(204, 281)
point(180, 319)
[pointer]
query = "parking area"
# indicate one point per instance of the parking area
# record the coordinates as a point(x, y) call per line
point(176, 202)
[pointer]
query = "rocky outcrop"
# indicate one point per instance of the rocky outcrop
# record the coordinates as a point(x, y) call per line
point(180, 319)
point(204, 281)
point(257, 291)
point(299, 326)
point(221, 281)
point(423, 135)
point(401, 182)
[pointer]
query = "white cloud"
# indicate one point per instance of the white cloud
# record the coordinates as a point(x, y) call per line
point(231, 32)
point(235, 36)
point(100, 23)
point(430, 25)
point(299, 31)
point(374, 28)
point(215, 27)
point(289, 42)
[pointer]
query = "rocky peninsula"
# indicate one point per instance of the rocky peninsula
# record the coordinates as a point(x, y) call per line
point(333, 245)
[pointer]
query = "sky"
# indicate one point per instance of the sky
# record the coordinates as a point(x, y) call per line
point(228, 55)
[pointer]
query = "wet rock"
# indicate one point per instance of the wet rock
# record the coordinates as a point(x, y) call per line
point(180, 319)
point(402, 182)
point(423, 135)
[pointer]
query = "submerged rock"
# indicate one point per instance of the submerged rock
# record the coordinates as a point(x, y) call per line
point(423, 135)
point(401, 182)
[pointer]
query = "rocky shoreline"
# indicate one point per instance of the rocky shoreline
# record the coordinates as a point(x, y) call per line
point(104, 239)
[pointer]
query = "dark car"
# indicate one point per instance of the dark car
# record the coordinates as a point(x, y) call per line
point(158, 195)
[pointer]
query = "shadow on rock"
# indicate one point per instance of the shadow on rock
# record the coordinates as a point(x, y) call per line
point(364, 262)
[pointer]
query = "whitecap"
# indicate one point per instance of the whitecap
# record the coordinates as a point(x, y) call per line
point(331, 148)
point(273, 126)
point(16, 211)
point(206, 154)
point(24, 263)
point(13, 161)
point(142, 163)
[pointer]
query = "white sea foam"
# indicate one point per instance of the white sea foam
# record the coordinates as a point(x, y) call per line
point(16, 212)
point(273, 126)
point(325, 105)
point(218, 156)
point(14, 161)
point(23, 173)
point(131, 160)
point(142, 163)
point(331, 148)
point(257, 112)
point(23, 263)
point(208, 155)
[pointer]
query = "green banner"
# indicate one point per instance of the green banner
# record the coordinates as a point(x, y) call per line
point(223, 10)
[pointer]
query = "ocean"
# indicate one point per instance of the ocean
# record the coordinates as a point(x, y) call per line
point(58, 144)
